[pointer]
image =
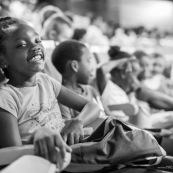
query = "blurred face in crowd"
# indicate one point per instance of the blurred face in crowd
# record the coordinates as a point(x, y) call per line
point(64, 32)
point(158, 65)
point(124, 76)
point(146, 64)
point(58, 31)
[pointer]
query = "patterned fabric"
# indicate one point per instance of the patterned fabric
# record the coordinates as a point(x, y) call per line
point(35, 106)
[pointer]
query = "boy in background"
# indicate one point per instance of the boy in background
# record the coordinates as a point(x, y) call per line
point(74, 61)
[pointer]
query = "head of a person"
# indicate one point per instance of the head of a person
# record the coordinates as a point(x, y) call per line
point(79, 34)
point(118, 74)
point(146, 64)
point(48, 11)
point(72, 58)
point(21, 50)
point(57, 28)
point(159, 64)
point(116, 53)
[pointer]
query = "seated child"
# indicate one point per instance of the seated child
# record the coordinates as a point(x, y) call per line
point(139, 95)
point(151, 75)
point(74, 61)
point(164, 84)
point(111, 93)
point(146, 65)
point(29, 100)
point(57, 28)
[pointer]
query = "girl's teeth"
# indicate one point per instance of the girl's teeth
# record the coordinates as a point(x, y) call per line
point(36, 58)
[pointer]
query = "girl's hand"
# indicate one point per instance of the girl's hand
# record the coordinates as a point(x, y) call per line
point(73, 131)
point(47, 142)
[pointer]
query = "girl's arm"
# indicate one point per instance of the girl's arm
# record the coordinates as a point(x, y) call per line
point(103, 70)
point(45, 141)
point(9, 132)
point(89, 112)
point(155, 98)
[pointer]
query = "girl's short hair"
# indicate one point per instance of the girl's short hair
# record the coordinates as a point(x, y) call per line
point(5, 24)
point(116, 53)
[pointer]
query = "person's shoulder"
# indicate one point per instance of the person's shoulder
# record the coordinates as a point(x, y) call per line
point(8, 91)
point(42, 77)
point(90, 89)
point(4, 88)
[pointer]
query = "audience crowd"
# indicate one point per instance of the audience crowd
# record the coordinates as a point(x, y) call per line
point(126, 72)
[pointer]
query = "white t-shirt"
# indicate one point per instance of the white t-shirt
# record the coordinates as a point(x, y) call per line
point(113, 94)
point(34, 107)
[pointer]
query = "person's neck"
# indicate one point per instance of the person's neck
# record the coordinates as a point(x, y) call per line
point(22, 81)
point(71, 83)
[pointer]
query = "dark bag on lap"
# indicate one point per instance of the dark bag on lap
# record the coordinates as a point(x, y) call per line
point(115, 143)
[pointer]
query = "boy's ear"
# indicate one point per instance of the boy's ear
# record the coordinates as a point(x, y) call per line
point(52, 34)
point(74, 66)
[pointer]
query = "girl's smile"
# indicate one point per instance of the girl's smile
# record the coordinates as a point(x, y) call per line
point(24, 53)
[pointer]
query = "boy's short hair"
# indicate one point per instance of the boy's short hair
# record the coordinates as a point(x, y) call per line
point(65, 52)
point(5, 24)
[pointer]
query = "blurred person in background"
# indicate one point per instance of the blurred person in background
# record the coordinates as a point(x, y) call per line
point(152, 72)
point(79, 35)
point(164, 84)
point(146, 64)
point(94, 35)
point(57, 28)
point(4, 8)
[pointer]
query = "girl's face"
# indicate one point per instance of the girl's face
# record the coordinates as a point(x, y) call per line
point(24, 52)
point(85, 67)
point(146, 64)
point(158, 66)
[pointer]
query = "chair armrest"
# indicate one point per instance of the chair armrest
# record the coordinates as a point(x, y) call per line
point(10, 154)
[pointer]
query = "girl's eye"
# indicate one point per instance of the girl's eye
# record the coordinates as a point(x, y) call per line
point(21, 45)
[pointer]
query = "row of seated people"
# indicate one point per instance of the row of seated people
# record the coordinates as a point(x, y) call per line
point(121, 88)
point(16, 118)
point(58, 28)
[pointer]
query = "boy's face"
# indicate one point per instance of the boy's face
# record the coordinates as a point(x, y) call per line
point(85, 67)
point(24, 52)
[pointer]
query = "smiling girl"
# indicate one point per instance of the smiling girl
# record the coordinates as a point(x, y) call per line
point(29, 100)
